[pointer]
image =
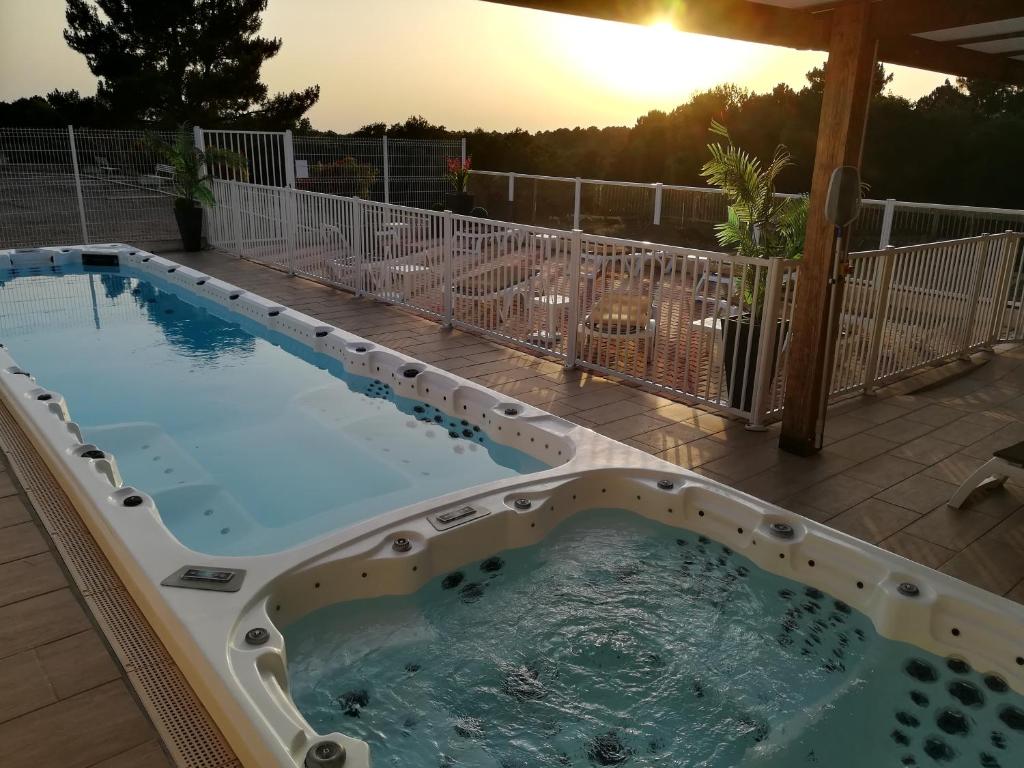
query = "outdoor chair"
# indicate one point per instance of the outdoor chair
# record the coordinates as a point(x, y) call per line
point(1004, 464)
point(162, 174)
point(624, 314)
point(497, 286)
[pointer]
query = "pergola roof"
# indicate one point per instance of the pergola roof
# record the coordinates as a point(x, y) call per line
point(970, 38)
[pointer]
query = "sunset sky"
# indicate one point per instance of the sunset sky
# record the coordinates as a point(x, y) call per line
point(461, 63)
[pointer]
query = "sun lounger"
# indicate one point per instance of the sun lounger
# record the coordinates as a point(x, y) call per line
point(1004, 464)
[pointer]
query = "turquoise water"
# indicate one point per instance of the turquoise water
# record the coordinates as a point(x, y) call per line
point(619, 641)
point(249, 442)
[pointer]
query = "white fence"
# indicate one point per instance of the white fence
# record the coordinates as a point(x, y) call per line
point(667, 212)
point(699, 324)
point(79, 185)
point(64, 186)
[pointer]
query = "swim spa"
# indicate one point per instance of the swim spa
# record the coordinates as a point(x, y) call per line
point(286, 662)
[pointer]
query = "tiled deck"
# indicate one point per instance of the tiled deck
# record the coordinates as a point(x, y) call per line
point(890, 463)
point(889, 466)
point(64, 701)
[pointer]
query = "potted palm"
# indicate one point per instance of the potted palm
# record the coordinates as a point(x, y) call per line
point(761, 224)
point(191, 181)
point(460, 200)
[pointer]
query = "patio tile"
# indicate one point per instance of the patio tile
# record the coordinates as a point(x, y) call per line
point(76, 732)
point(951, 528)
point(601, 396)
point(631, 427)
point(918, 493)
point(954, 469)
point(38, 620)
point(739, 465)
point(935, 415)
point(77, 663)
point(664, 438)
point(694, 454)
point(990, 564)
point(621, 409)
point(901, 430)
point(861, 447)
point(872, 520)
point(28, 577)
point(7, 485)
point(879, 412)
point(919, 550)
point(926, 450)
point(13, 511)
point(24, 685)
point(1003, 437)
point(842, 426)
point(970, 429)
point(885, 470)
point(21, 540)
point(835, 494)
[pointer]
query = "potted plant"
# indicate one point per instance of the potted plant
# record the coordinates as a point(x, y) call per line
point(460, 200)
point(760, 225)
point(191, 181)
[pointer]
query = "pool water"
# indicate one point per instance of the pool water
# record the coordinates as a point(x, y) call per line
point(249, 442)
point(619, 641)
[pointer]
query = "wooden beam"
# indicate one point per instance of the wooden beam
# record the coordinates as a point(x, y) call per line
point(733, 19)
point(908, 17)
point(841, 127)
point(950, 59)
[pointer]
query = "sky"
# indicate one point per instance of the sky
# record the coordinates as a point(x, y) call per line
point(459, 63)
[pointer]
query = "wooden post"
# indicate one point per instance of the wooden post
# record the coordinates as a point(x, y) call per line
point(844, 112)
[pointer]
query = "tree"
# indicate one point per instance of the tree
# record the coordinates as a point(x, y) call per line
point(175, 61)
point(881, 80)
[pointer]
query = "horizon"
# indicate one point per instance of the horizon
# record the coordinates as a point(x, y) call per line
point(523, 68)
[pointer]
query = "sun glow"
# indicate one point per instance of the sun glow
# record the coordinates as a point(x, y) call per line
point(654, 62)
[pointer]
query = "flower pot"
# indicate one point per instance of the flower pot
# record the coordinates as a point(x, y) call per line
point(459, 202)
point(190, 224)
point(740, 367)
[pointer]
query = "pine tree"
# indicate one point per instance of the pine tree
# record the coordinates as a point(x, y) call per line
point(182, 61)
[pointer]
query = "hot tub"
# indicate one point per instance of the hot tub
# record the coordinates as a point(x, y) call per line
point(585, 604)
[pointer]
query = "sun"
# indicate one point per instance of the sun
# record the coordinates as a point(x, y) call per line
point(653, 62)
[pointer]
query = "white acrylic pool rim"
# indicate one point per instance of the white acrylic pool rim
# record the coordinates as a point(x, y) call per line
point(245, 687)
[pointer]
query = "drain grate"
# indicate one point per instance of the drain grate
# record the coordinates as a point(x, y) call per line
point(189, 734)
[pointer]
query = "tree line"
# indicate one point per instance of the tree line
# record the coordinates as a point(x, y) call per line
point(160, 65)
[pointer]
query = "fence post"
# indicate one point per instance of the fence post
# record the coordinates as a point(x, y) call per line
point(1002, 285)
point(78, 186)
point(881, 314)
point(236, 216)
point(981, 251)
point(512, 197)
point(764, 367)
point(200, 143)
point(289, 159)
point(387, 170)
point(463, 150)
point(572, 329)
point(291, 226)
point(357, 245)
point(575, 204)
point(448, 248)
point(657, 203)
point(886, 237)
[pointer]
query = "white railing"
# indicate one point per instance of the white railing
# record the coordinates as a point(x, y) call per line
point(649, 208)
point(672, 318)
point(704, 325)
point(906, 308)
